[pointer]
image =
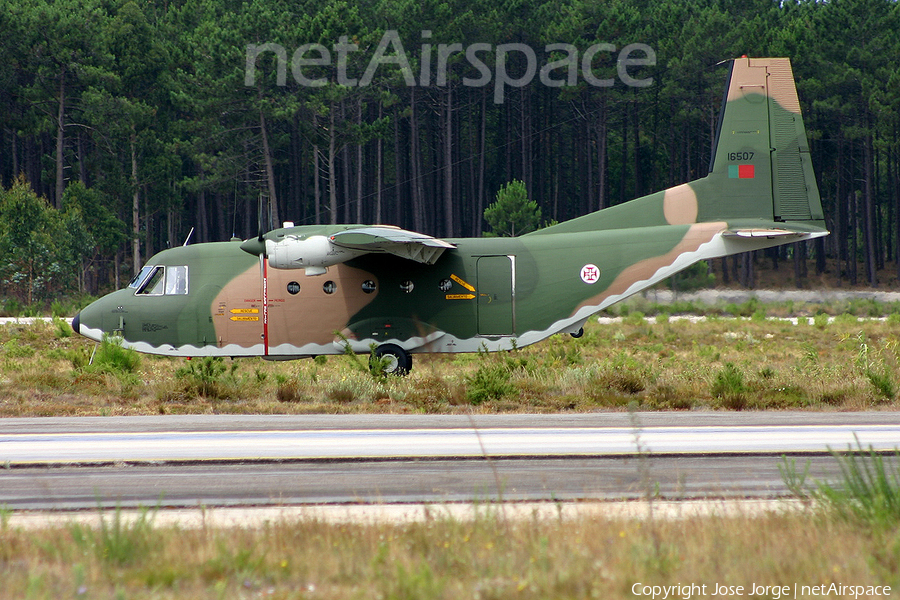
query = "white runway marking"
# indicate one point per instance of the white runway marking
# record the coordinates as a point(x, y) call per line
point(68, 448)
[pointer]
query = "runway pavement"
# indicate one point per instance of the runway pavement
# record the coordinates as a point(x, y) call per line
point(60, 463)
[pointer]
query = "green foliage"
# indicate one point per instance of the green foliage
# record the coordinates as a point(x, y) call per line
point(882, 382)
point(210, 377)
point(869, 490)
point(118, 542)
point(15, 349)
point(513, 213)
point(111, 357)
point(490, 381)
point(728, 384)
point(39, 245)
point(695, 277)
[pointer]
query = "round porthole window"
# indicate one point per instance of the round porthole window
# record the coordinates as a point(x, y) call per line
point(407, 286)
point(368, 286)
point(445, 285)
point(293, 288)
point(329, 287)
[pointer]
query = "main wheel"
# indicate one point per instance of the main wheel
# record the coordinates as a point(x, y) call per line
point(397, 360)
point(577, 334)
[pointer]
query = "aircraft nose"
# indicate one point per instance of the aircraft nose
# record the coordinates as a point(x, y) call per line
point(88, 321)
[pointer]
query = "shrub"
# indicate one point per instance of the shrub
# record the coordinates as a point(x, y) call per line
point(882, 382)
point(490, 381)
point(209, 377)
point(111, 357)
point(728, 384)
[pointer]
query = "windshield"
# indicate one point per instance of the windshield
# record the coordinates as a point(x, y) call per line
point(140, 277)
point(153, 285)
point(162, 281)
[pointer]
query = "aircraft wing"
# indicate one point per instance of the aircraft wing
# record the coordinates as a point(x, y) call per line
point(400, 242)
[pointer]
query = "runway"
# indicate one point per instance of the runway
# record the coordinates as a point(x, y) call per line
point(59, 463)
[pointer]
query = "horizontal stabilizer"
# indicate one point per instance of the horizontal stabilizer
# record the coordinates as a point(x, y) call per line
point(780, 231)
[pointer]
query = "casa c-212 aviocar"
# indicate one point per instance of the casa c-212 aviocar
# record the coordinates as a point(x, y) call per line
point(313, 290)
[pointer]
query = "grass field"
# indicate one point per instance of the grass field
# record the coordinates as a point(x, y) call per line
point(845, 539)
point(744, 357)
point(487, 556)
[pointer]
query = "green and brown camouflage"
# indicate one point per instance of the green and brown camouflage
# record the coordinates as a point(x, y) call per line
point(312, 290)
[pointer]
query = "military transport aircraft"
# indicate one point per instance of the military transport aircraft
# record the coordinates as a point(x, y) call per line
point(310, 290)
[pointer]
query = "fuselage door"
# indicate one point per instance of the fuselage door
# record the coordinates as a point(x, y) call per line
point(496, 295)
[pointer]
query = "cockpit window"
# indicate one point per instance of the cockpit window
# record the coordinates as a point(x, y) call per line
point(176, 281)
point(141, 277)
point(171, 281)
point(153, 285)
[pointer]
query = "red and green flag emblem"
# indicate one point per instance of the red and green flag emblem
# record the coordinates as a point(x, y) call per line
point(740, 172)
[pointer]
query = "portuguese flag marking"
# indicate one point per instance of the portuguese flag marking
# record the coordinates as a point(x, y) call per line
point(741, 172)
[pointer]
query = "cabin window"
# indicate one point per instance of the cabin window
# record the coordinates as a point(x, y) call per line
point(368, 286)
point(169, 281)
point(329, 287)
point(407, 286)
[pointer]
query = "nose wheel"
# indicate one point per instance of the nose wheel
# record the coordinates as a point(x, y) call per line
point(397, 361)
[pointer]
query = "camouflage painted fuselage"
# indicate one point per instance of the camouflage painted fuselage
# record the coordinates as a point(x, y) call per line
point(490, 293)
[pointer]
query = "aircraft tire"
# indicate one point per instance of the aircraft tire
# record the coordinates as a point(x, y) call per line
point(577, 334)
point(400, 361)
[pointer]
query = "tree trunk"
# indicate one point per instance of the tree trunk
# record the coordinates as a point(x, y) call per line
point(379, 172)
point(449, 229)
point(854, 234)
point(135, 206)
point(270, 172)
point(414, 163)
point(601, 153)
point(332, 176)
point(60, 140)
point(359, 166)
point(869, 222)
point(482, 141)
point(317, 191)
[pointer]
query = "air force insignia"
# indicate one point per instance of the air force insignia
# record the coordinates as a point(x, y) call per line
point(590, 273)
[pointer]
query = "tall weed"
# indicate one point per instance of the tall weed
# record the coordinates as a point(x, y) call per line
point(869, 490)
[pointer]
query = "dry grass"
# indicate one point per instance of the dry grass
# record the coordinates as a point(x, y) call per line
point(443, 557)
point(654, 363)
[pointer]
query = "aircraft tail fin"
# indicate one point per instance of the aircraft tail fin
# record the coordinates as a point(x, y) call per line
point(761, 163)
point(761, 176)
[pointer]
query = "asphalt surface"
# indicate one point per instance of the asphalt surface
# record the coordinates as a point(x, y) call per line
point(233, 468)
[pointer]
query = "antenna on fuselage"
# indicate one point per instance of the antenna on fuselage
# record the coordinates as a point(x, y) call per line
point(188, 238)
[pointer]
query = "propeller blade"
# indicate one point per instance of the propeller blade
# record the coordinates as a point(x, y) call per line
point(259, 217)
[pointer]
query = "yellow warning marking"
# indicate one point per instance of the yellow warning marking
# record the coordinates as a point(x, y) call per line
point(244, 311)
point(245, 318)
point(460, 296)
point(462, 283)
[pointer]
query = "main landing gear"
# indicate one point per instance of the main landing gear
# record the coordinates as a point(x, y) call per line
point(397, 360)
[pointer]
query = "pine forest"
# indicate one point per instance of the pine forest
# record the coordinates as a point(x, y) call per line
point(127, 126)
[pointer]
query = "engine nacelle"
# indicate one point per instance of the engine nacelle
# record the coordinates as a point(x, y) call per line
point(315, 254)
